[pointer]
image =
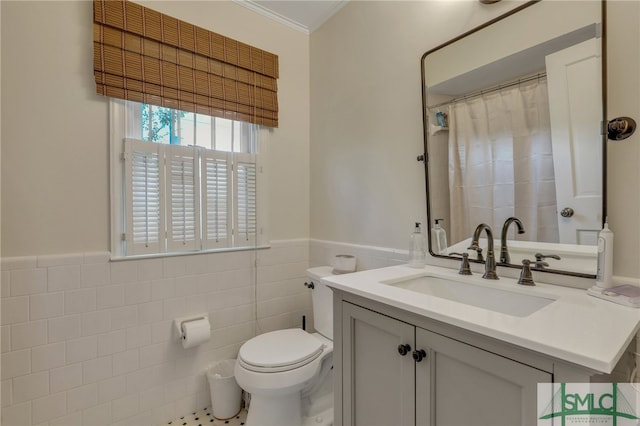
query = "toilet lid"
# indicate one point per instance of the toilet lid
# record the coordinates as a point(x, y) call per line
point(280, 350)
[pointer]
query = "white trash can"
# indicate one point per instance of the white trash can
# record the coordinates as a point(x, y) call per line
point(226, 395)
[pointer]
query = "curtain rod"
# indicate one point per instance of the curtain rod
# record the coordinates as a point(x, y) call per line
point(475, 94)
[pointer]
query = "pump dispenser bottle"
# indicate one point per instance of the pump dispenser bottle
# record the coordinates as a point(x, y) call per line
point(417, 252)
point(439, 238)
point(604, 274)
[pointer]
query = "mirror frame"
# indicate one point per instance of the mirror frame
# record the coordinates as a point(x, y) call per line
point(425, 156)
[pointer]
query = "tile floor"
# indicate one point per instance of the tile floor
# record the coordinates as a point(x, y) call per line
point(205, 418)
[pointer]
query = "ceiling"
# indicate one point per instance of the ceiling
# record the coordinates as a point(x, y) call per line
point(302, 15)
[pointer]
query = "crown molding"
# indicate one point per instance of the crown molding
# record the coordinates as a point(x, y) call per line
point(264, 11)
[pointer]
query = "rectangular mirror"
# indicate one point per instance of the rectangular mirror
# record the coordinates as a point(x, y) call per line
point(512, 114)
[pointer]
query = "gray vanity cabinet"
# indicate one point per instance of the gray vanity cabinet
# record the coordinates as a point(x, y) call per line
point(450, 383)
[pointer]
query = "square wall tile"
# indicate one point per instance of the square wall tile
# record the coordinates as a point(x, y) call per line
point(111, 389)
point(111, 296)
point(124, 272)
point(82, 349)
point(65, 378)
point(16, 363)
point(124, 317)
point(31, 386)
point(49, 305)
point(113, 342)
point(96, 322)
point(29, 334)
point(97, 369)
point(79, 301)
point(61, 278)
point(49, 407)
point(15, 310)
point(95, 274)
point(82, 397)
point(28, 281)
point(17, 414)
point(64, 328)
point(47, 357)
point(100, 415)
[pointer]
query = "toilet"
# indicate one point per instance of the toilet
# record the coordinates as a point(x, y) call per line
point(289, 373)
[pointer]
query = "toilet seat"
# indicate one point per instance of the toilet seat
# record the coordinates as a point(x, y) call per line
point(281, 350)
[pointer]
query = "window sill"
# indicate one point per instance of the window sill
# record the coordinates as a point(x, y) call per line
point(116, 258)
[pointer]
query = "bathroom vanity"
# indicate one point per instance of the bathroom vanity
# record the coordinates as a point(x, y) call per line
point(431, 347)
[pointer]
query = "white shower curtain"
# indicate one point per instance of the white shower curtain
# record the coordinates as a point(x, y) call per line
point(501, 165)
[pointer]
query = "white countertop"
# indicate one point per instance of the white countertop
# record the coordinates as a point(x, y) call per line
point(576, 327)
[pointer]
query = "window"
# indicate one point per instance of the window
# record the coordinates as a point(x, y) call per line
point(182, 182)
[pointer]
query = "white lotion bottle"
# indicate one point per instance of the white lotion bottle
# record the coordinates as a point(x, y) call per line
point(417, 253)
point(439, 238)
point(604, 275)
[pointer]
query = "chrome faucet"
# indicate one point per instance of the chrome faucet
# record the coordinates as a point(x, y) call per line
point(504, 252)
point(490, 263)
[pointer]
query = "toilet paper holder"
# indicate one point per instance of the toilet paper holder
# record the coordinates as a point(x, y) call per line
point(178, 322)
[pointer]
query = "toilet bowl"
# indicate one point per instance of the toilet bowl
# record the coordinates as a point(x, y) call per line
point(289, 372)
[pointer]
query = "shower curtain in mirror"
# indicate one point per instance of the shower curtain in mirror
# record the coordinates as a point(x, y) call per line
point(500, 163)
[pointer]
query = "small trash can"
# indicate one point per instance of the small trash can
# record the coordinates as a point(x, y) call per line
point(226, 395)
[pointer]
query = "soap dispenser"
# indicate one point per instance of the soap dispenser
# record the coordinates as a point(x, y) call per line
point(604, 274)
point(417, 252)
point(439, 238)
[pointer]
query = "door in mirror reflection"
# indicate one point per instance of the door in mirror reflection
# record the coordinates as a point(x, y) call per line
point(575, 108)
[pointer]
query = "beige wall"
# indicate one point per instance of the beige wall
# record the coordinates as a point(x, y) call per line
point(55, 164)
point(366, 128)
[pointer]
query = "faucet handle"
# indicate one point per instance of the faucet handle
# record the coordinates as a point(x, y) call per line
point(540, 264)
point(540, 257)
point(474, 246)
point(526, 277)
point(465, 268)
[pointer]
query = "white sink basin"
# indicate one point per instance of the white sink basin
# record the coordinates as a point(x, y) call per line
point(503, 301)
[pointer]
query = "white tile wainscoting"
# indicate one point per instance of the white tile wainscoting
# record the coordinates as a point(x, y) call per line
point(87, 341)
point(367, 257)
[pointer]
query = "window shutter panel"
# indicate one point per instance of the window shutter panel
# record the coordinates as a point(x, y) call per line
point(183, 198)
point(245, 229)
point(144, 200)
point(216, 204)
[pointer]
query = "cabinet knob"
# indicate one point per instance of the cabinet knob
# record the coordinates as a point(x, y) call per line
point(309, 285)
point(404, 349)
point(419, 355)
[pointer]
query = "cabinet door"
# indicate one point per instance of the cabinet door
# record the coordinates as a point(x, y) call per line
point(378, 382)
point(458, 384)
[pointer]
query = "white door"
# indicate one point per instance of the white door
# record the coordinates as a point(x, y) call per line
point(574, 78)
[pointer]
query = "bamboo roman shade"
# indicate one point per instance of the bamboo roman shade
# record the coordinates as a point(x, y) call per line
point(146, 56)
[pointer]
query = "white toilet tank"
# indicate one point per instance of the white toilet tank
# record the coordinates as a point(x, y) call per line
point(322, 298)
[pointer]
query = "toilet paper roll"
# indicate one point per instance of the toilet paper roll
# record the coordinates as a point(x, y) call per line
point(195, 333)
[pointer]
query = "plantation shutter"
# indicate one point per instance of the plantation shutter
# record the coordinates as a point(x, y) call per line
point(216, 199)
point(146, 56)
point(183, 198)
point(245, 232)
point(144, 197)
